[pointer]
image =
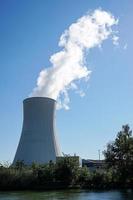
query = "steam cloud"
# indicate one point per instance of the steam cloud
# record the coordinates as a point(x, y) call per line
point(68, 65)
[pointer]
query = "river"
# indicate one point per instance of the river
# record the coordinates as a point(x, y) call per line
point(69, 195)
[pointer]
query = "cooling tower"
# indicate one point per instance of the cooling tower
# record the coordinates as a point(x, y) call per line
point(38, 142)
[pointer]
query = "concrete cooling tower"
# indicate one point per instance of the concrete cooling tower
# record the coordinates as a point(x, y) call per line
point(38, 142)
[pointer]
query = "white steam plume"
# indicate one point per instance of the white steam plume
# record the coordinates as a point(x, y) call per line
point(68, 65)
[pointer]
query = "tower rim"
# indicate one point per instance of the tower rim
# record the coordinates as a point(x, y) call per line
point(39, 98)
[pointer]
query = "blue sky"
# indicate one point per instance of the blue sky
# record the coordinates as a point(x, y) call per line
point(30, 31)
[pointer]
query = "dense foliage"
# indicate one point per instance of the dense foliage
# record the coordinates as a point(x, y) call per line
point(119, 157)
point(66, 172)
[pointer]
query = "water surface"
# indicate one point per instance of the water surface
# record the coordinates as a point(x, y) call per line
point(69, 195)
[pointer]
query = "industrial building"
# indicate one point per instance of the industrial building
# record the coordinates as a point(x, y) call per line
point(93, 165)
point(38, 142)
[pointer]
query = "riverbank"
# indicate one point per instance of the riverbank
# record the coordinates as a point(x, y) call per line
point(64, 174)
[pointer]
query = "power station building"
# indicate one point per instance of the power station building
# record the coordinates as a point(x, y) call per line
point(38, 141)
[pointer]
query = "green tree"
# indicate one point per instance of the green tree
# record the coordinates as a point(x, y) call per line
point(119, 155)
point(67, 171)
point(83, 176)
point(19, 165)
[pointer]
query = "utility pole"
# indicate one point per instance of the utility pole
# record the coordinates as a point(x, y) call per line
point(99, 154)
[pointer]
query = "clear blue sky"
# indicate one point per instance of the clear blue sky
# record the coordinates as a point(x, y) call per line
point(29, 35)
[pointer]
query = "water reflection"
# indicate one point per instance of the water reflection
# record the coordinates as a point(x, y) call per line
point(68, 195)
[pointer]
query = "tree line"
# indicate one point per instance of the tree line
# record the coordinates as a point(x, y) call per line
point(66, 172)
